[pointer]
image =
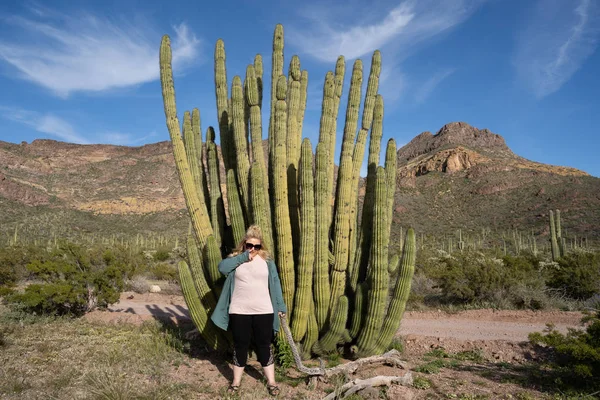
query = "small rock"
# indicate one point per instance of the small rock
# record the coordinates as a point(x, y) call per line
point(369, 393)
point(410, 338)
point(400, 392)
point(154, 289)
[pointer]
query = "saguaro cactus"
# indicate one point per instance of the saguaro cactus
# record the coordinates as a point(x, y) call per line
point(335, 272)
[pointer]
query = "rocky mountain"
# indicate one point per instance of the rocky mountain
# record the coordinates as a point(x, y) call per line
point(464, 177)
point(460, 177)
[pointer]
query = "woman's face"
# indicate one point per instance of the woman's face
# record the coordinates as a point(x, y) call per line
point(253, 245)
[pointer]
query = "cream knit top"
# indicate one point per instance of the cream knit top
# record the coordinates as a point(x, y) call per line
point(251, 288)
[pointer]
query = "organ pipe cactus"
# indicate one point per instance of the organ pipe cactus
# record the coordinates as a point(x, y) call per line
point(335, 271)
point(553, 239)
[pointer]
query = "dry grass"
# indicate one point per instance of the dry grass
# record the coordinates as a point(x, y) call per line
point(47, 358)
point(74, 359)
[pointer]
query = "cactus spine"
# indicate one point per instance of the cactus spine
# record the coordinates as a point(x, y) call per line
point(334, 276)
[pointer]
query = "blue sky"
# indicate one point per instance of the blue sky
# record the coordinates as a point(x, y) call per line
point(87, 71)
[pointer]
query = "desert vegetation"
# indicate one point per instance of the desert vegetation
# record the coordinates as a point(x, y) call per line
point(348, 271)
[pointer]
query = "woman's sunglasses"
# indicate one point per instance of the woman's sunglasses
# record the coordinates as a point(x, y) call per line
point(250, 246)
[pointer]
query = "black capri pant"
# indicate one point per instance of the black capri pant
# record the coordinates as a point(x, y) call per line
point(252, 327)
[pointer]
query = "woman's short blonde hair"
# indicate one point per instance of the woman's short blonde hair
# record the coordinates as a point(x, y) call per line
point(253, 232)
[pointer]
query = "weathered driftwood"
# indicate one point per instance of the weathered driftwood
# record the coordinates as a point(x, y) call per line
point(357, 385)
point(392, 358)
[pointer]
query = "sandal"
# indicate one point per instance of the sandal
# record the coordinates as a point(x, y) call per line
point(232, 389)
point(273, 390)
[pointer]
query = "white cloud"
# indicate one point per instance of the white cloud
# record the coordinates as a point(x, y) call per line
point(392, 82)
point(61, 129)
point(404, 26)
point(558, 39)
point(45, 123)
point(122, 139)
point(427, 88)
point(67, 54)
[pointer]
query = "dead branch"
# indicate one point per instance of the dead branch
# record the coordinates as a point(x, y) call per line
point(392, 358)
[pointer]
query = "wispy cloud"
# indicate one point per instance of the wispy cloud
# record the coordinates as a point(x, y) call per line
point(47, 123)
point(68, 54)
point(59, 128)
point(124, 139)
point(559, 37)
point(392, 82)
point(401, 28)
point(427, 88)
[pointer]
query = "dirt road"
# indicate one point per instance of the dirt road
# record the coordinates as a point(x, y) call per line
point(474, 325)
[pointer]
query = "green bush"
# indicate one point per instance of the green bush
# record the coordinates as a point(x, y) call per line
point(476, 278)
point(578, 275)
point(575, 357)
point(161, 255)
point(70, 281)
point(13, 261)
point(283, 353)
point(164, 271)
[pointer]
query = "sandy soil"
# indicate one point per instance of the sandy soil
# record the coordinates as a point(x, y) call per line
point(472, 325)
point(499, 336)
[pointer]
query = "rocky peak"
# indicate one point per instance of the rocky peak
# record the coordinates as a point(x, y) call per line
point(452, 135)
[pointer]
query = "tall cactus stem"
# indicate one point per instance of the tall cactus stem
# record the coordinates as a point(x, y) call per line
point(240, 140)
point(259, 204)
point(217, 207)
point(321, 268)
point(400, 296)
point(302, 304)
point(341, 233)
point(378, 274)
point(328, 342)
point(195, 206)
point(293, 141)
point(236, 215)
point(553, 239)
point(214, 338)
point(253, 98)
point(223, 109)
point(205, 294)
point(283, 229)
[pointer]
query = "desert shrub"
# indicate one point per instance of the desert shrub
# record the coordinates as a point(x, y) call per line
point(475, 278)
point(468, 277)
point(163, 271)
point(283, 353)
point(70, 281)
point(422, 289)
point(577, 274)
point(574, 357)
point(13, 261)
point(161, 254)
point(137, 284)
point(128, 262)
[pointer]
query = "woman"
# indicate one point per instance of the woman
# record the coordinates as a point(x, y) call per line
point(250, 298)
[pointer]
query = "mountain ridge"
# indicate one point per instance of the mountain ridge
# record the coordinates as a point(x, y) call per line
point(474, 165)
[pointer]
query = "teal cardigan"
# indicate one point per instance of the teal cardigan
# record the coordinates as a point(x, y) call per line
point(227, 267)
